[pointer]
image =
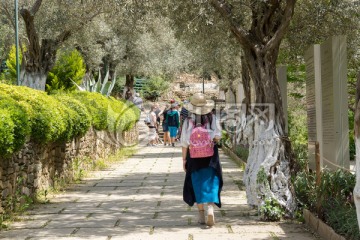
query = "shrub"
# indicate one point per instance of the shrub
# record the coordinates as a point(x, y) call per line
point(60, 117)
point(97, 106)
point(337, 185)
point(6, 132)
point(124, 116)
point(46, 116)
point(155, 87)
point(20, 119)
point(78, 117)
point(342, 218)
point(271, 210)
point(331, 200)
point(305, 190)
point(108, 113)
point(69, 65)
point(11, 64)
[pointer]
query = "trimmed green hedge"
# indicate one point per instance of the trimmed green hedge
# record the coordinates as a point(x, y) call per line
point(108, 113)
point(25, 112)
point(15, 128)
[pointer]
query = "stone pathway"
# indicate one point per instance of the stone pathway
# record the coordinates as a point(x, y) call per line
point(141, 198)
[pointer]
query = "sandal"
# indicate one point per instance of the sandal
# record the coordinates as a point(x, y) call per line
point(201, 219)
point(210, 216)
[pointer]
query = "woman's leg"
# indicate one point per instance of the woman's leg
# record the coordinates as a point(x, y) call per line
point(210, 215)
point(166, 137)
point(173, 136)
point(201, 219)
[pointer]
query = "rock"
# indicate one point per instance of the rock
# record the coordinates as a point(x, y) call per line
point(30, 178)
point(25, 191)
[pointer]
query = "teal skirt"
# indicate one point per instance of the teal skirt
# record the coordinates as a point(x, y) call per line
point(206, 185)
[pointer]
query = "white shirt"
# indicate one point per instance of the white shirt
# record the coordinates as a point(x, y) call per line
point(214, 131)
point(152, 119)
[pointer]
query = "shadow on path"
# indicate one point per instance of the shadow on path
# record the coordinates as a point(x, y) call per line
point(141, 198)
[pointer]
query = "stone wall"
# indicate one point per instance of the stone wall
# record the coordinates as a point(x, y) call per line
point(36, 167)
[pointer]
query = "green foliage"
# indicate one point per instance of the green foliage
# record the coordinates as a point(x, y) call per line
point(20, 119)
point(262, 182)
point(225, 139)
point(97, 106)
point(242, 152)
point(118, 87)
point(69, 66)
point(104, 86)
point(296, 73)
point(26, 112)
point(305, 190)
point(155, 87)
point(261, 177)
point(271, 210)
point(122, 115)
point(331, 200)
point(342, 217)
point(298, 135)
point(10, 75)
point(47, 116)
point(108, 113)
point(352, 147)
point(78, 118)
point(338, 185)
point(6, 132)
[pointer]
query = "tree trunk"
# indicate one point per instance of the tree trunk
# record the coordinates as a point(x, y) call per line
point(267, 172)
point(357, 144)
point(270, 149)
point(129, 85)
point(245, 81)
point(35, 80)
point(39, 58)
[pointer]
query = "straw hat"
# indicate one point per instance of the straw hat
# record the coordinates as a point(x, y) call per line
point(199, 105)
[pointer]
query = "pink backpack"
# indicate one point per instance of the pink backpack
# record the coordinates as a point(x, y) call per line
point(201, 144)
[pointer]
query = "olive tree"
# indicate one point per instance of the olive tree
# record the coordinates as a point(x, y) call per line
point(48, 24)
point(258, 27)
point(149, 49)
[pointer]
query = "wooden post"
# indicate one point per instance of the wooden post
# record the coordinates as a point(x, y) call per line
point(317, 160)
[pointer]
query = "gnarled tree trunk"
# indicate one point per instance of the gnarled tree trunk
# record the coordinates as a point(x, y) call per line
point(270, 148)
point(39, 59)
point(268, 167)
point(357, 143)
point(32, 79)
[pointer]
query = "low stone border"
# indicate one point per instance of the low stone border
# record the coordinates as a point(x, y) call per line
point(229, 152)
point(324, 231)
point(38, 166)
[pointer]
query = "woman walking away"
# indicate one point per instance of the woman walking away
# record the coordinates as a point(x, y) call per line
point(203, 180)
point(165, 126)
point(172, 119)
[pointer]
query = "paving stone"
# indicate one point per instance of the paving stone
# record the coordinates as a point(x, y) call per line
point(72, 238)
point(31, 233)
point(36, 223)
point(114, 232)
point(141, 198)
